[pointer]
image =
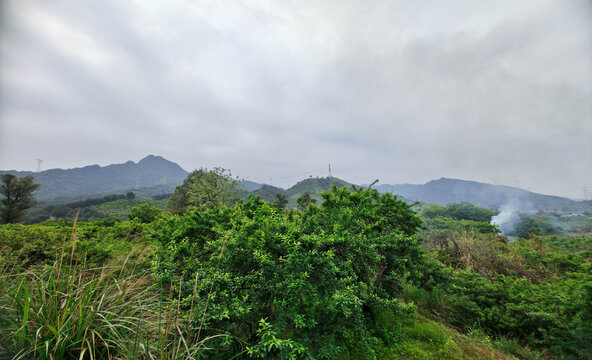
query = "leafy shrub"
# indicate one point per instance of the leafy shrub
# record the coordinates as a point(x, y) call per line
point(457, 211)
point(555, 314)
point(297, 284)
point(528, 226)
point(145, 213)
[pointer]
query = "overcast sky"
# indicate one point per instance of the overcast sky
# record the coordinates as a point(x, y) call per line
point(401, 91)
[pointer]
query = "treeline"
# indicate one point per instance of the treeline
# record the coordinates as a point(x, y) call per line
point(69, 210)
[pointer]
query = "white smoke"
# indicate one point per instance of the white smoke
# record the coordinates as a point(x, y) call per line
point(507, 218)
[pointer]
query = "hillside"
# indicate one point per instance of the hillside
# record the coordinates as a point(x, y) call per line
point(313, 186)
point(153, 175)
point(268, 192)
point(445, 191)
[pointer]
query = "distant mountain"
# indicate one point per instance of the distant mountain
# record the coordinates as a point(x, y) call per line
point(154, 175)
point(268, 192)
point(151, 175)
point(249, 186)
point(315, 185)
point(445, 191)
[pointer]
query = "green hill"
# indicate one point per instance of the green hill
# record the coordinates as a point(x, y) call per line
point(153, 174)
point(268, 192)
point(313, 186)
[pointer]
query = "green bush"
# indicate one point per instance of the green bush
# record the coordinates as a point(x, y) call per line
point(555, 314)
point(144, 213)
point(297, 284)
point(457, 211)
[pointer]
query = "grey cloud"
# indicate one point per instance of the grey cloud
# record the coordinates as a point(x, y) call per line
point(398, 90)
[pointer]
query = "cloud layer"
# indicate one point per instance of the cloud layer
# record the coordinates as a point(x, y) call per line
point(403, 91)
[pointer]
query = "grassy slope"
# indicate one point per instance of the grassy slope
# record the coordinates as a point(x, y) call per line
point(428, 339)
point(120, 208)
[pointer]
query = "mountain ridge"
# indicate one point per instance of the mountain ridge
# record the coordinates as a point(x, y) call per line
point(92, 180)
point(446, 190)
point(155, 175)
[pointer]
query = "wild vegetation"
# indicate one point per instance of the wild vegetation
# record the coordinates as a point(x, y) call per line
point(17, 197)
point(358, 275)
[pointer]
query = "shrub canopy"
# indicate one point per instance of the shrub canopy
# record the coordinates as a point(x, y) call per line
point(297, 283)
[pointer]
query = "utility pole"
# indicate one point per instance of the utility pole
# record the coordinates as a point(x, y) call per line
point(39, 162)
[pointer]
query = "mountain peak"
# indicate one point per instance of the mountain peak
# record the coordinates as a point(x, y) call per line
point(151, 171)
point(445, 191)
point(152, 158)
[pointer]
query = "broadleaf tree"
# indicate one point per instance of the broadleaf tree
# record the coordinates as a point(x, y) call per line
point(17, 197)
point(203, 187)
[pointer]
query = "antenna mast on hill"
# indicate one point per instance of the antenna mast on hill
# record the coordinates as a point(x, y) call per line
point(330, 176)
point(39, 162)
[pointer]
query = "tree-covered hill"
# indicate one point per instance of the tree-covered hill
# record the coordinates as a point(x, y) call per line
point(312, 186)
point(268, 192)
point(156, 176)
point(88, 181)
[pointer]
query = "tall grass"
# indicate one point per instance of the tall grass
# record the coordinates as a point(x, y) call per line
point(73, 311)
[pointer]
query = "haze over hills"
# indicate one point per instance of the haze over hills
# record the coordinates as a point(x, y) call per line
point(445, 191)
point(154, 175)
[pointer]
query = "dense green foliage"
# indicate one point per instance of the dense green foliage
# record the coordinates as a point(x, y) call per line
point(207, 188)
point(109, 206)
point(281, 201)
point(145, 213)
point(16, 197)
point(304, 201)
point(69, 210)
point(528, 226)
point(536, 290)
point(313, 280)
point(358, 276)
point(457, 211)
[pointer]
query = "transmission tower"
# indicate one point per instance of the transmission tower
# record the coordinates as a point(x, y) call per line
point(586, 193)
point(39, 162)
point(330, 176)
